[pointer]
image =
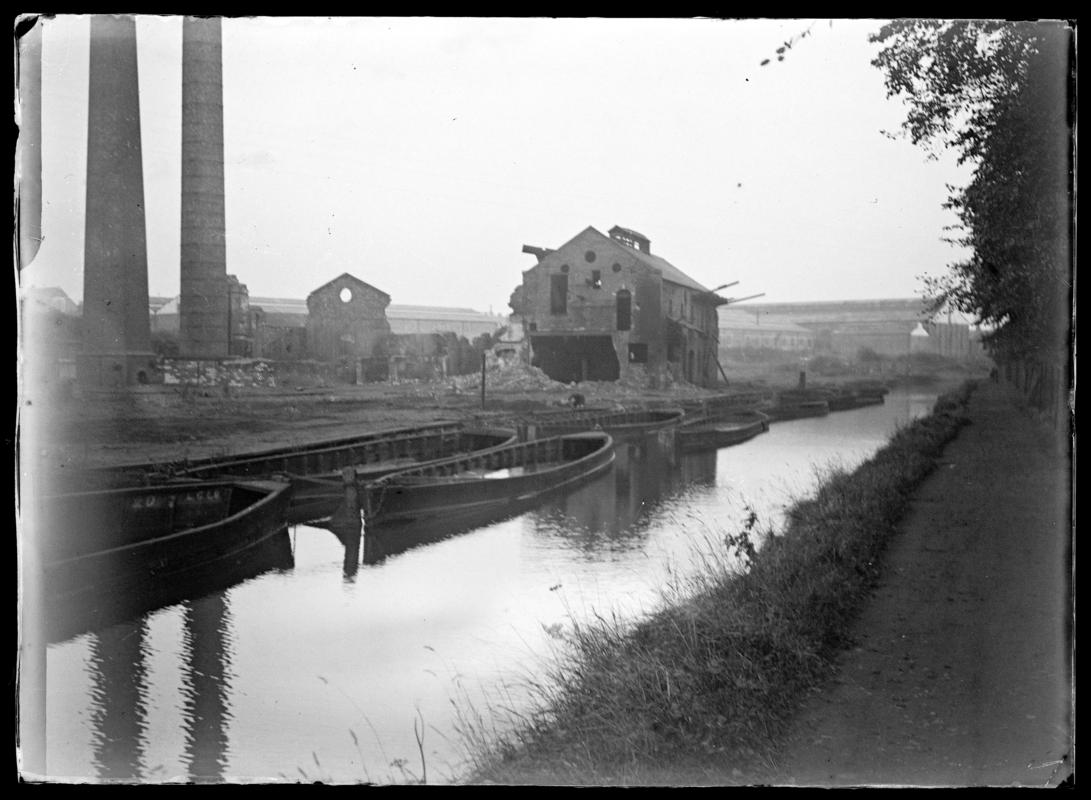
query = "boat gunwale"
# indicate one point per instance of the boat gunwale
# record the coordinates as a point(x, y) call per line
point(392, 478)
point(605, 453)
point(671, 416)
point(403, 435)
point(273, 491)
point(179, 467)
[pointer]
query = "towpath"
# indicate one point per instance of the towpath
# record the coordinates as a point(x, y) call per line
point(960, 673)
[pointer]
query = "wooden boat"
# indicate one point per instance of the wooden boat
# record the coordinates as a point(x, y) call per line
point(786, 409)
point(326, 455)
point(616, 423)
point(315, 470)
point(712, 434)
point(482, 487)
point(125, 540)
point(847, 401)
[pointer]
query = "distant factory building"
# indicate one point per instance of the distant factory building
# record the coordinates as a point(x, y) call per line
point(346, 318)
point(432, 319)
point(885, 327)
point(604, 307)
point(744, 330)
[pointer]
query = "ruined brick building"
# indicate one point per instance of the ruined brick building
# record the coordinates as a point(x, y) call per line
point(604, 307)
point(346, 318)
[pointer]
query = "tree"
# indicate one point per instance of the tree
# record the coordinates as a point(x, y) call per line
point(1000, 94)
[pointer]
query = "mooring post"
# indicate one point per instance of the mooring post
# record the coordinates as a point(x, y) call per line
point(347, 524)
point(482, 379)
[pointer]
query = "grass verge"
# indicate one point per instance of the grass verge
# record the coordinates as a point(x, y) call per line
point(710, 681)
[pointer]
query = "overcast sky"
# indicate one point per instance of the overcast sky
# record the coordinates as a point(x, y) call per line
point(421, 154)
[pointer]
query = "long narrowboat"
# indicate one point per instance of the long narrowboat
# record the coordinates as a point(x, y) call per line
point(617, 424)
point(315, 470)
point(129, 540)
point(846, 401)
point(725, 431)
point(482, 487)
point(786, 408)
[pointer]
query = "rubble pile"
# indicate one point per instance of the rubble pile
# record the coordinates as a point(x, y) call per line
point(508, 377)
point(233, 373)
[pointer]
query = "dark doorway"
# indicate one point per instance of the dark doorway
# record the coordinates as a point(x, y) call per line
point(576, 358)
point(558, 294)
point(624, 310)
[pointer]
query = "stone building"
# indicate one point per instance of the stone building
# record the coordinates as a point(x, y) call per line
point(604, 307)
point(346, 319)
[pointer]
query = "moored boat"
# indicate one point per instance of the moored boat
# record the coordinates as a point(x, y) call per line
point(786, 409)
point(616, 423)
point(712, 434)
point(315, 469)
point(126, 540)
point(485, 486)
point(849, 400)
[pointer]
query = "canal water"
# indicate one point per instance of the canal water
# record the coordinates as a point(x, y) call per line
point(325, 668)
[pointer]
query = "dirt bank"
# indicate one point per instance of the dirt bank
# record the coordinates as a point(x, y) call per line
point(960, 673)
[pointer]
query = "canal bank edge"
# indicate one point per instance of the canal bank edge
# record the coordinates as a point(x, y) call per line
point(703, 691)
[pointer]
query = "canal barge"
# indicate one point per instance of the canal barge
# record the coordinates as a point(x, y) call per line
point(725, 431)
point(316, 472)
point(846, 401)
point(130, 540)
point(792, 408)
point(618, 424)
point(483, 487)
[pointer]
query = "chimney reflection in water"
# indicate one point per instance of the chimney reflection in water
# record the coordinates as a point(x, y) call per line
point(206, 685)
point(119, 700)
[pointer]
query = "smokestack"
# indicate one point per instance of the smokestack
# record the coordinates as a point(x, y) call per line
point(203, 305)
point(117, 335)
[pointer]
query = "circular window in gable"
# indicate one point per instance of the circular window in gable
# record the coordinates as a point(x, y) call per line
point(346, 295)
point(564, 268)
point(616, 268)
point(589, 256)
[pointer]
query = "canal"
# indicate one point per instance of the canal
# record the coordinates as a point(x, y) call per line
point(324, 668)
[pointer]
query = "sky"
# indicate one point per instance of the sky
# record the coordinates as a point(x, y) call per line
point(421, 154)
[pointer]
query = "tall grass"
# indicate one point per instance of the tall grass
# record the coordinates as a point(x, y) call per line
point(711, 680)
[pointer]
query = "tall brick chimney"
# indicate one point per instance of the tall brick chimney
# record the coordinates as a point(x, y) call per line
point(116, 328)
point(203, 305)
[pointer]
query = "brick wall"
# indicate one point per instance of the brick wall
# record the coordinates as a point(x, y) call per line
point(350, 327)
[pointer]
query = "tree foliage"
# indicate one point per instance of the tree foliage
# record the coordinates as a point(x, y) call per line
point(999, 94)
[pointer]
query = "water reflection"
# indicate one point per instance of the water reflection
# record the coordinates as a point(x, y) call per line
point(347, 525)
point(268, 675)
point(68, 617)
point(206, 685)
point(118, 700)
point(618, 505)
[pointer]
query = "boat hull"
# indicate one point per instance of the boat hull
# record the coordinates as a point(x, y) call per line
point(849, 402)
point(808, 408)
point(126, 540)
point(453, 496)
point(714, 434)
point(618, 424)
point(393, 447)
